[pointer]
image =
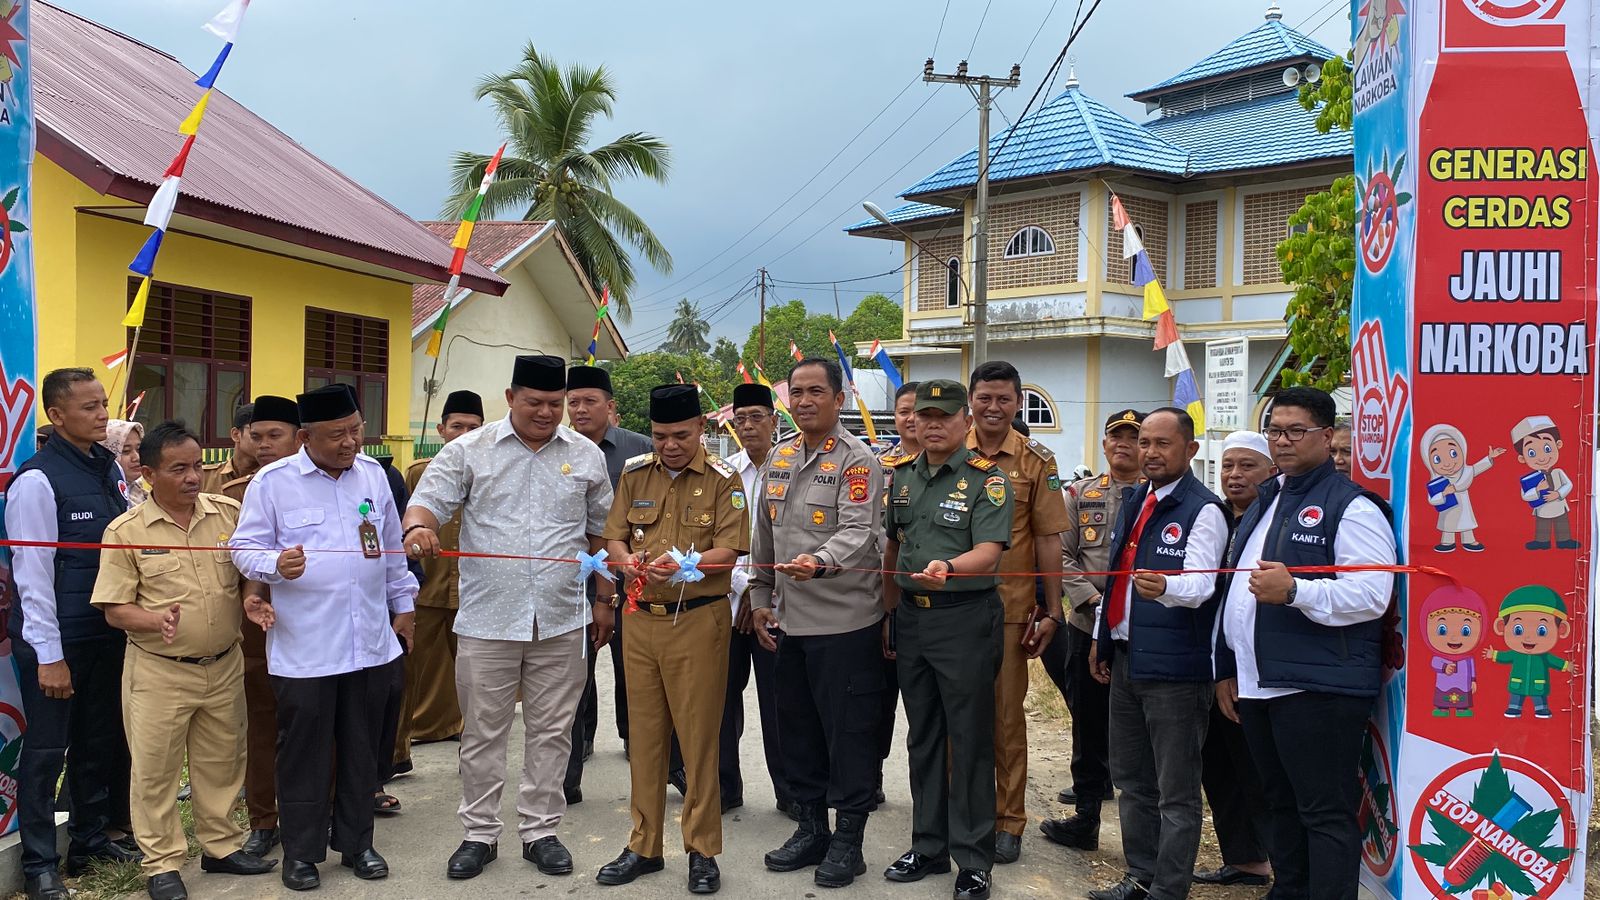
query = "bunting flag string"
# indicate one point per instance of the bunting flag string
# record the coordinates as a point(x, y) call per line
point(794, 351)
point(599, 316)
point(458, 260)
point(1185, 390)
point(850, 380)
point(158, 215)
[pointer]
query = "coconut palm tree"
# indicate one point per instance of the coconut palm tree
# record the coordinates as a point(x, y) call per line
point(687, 331)
point(548, 115)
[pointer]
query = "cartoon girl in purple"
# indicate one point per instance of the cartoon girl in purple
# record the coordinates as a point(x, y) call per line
point(1452, 619)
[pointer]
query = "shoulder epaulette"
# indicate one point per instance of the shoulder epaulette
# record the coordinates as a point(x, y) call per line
point(721, 465)
point(212, 467)
point(246, 479)
point(1040, 450)
point(224, 500)
point(979, 463)
point(639, 462)
point(895, 462)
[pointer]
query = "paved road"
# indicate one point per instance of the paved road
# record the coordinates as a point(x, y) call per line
point(417, 842)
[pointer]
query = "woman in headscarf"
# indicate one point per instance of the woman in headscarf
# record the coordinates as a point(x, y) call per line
point(1444, 452)
point(123, 439)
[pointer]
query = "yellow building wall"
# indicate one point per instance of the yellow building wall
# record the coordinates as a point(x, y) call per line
point(81, 263)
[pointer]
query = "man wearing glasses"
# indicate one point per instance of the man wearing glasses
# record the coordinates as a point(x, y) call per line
point(1298, 655)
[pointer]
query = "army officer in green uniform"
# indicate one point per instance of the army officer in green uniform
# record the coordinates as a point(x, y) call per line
point(948, 518)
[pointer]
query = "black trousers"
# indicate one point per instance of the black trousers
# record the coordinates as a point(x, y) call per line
point(394, 701)
point(830, 695)
point(584, 723)
point(949, 657)
point(84, 732)
point(620, 678)
point(329, 740)
point(1238, 812)
point(1307, 748)
point(1090, 704)
point(886, 711)
point(1054, 660)
point(744, 654)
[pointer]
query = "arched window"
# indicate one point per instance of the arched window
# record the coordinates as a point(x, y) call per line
point(952, 282)
point(1031, 240)
point(1037, 410)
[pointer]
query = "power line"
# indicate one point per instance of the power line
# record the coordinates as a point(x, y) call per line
point(1042, 23)
point(894, 271)
point(979, 29)
point(940, 33)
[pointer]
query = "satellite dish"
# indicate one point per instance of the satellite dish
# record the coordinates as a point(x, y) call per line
point(1291, 77)
point(1313, 73)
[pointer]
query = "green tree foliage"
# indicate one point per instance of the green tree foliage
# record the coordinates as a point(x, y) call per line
point(1320, 260)
point(875, 318)
point(726, 355)
point(687, 331)
point(633, 378)
point(548, 115)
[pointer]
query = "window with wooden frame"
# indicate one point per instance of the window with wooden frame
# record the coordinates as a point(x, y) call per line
point(353, 350)
point(192, 361)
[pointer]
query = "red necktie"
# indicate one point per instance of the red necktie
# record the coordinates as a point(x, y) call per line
point(1118, 610)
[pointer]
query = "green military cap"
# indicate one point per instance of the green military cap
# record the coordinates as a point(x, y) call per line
point(942, 394)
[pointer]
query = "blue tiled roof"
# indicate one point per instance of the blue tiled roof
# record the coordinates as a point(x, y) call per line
point(1269, 131)
point(1270, 42)
point(909, 212)
point(1070, 133)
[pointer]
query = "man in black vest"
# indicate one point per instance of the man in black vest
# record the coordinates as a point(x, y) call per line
point(1298, 655)
point(69, 661)
point(1153, 645)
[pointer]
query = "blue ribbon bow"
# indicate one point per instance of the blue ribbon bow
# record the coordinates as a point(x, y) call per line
point(687, 562)
point(594, 565)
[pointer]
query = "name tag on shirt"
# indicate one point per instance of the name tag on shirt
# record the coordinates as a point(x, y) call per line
point(643, 504)
point(151, 551)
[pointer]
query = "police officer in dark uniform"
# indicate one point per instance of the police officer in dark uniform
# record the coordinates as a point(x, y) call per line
point(948, 519)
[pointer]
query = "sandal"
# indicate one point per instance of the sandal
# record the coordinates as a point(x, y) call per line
point(385, 804)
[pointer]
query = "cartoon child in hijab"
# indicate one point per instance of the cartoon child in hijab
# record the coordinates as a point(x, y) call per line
point(1444, 452)
point(1452, 620)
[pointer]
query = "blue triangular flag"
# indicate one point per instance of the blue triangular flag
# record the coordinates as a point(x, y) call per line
point(210, 77)
point(145, 263)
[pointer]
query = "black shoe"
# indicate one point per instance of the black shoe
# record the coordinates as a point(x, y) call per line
point(1129, 888)
point(843, 861)
point(788, 808)
point(628, 866)
point(575, 796)
point(704, 876)
point(1079, 832)
point(261, 841)
point(1007, 847)
point(404, 767)
point(46, 887)
point(112, 853)
point(300, 876)
point(588, 750)
point(914, 867)
point(1229, 875)
point(166, 886)
point(238, 863)
point(367, 864)
point(678, 779)
point(808, 846)
point(185, 792)
point(127, 843)
point(548, 854)
point(728, 805)
point(1068, 797)
point(972, 884)
point(470, 858)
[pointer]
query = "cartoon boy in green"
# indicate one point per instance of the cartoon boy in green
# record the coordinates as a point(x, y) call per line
point(1533, 619)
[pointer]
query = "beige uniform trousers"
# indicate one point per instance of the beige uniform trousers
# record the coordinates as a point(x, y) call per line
point(550, 675)
point(1011, 735)
point(677, 678)
point(171, 708)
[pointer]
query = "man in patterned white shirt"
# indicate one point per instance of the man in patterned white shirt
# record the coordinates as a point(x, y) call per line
point(521, 622)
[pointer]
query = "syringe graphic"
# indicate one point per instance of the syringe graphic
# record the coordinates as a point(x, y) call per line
point(1466, 863)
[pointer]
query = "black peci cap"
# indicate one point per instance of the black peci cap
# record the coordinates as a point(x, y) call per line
point(752, 395)
point(588, 377)
point(540, 373)
point(275, 409)
point(464, 402)
point(671, 403)
point(326, 403)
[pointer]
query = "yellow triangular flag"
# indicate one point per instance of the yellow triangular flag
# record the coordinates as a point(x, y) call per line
point(1155, 301)
point(135, 316)
point(192, 123)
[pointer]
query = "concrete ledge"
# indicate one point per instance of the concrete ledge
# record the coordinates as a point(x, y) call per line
point(11, 856)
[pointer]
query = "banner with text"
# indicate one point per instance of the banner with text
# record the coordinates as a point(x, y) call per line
point(1494, 128)
point(18, 359)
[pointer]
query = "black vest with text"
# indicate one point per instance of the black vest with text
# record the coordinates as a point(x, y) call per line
point(89, 494)
point(1293, 652)
point(1165, 643)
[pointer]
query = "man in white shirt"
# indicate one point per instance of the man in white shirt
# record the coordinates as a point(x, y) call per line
point(1152, 645)
point(754, 419)
point(331, 645)
point(1299, 655)
point(525, 486)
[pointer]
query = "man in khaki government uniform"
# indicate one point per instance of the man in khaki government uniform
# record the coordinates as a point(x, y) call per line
point(675, 644)
point(1092, 507)
point(431, 711)
point(1039, 517)
point(183, 678)
point(242, 463)
point(274, 433)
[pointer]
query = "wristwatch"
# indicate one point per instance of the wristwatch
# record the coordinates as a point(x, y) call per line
point(1294, 588)
point(610, 601)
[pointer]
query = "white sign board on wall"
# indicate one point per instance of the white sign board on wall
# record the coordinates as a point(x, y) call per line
point(1227, 384)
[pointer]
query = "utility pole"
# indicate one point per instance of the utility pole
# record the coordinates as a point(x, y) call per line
point(981, 87)
point(761, 338)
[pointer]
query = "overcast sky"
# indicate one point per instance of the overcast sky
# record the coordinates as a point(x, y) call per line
point(754, 99)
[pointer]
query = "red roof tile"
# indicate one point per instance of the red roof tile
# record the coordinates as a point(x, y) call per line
point(491, 245)
point(108, 108)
